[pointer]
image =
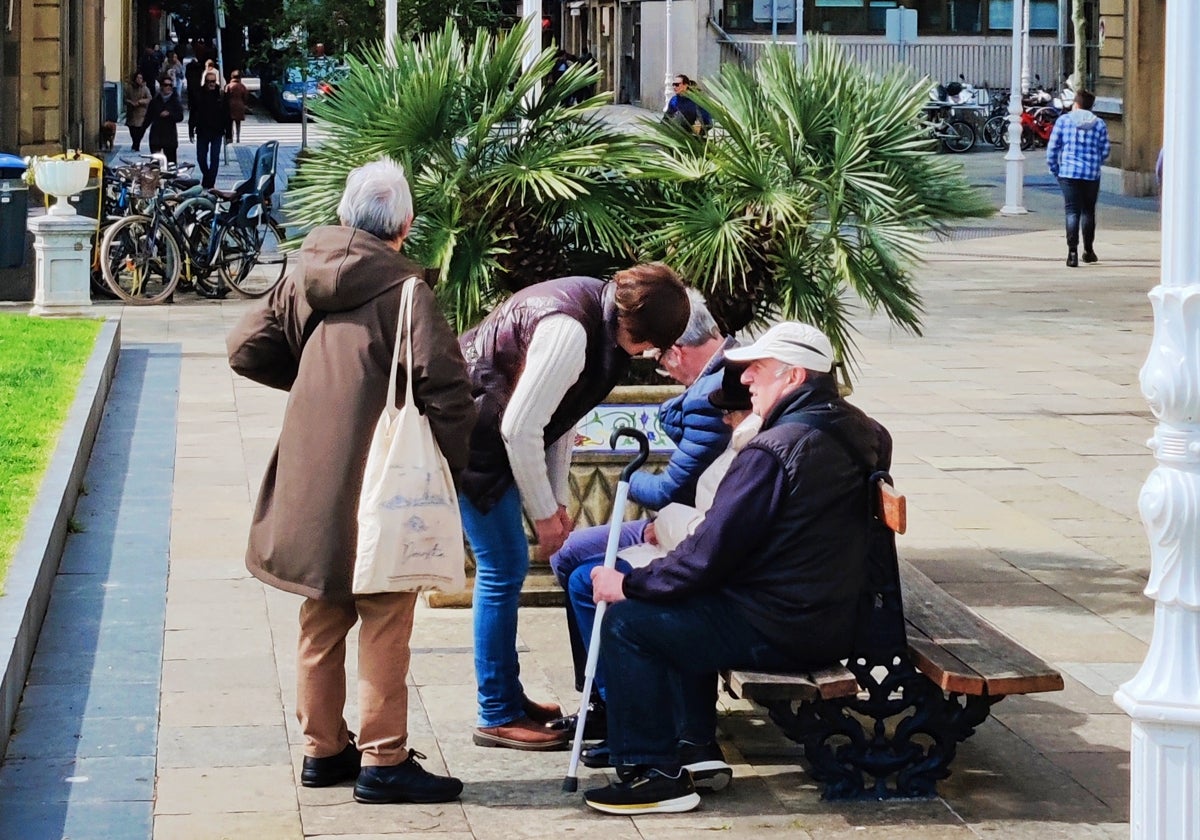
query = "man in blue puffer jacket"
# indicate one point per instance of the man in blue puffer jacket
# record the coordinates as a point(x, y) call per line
point(700, 435)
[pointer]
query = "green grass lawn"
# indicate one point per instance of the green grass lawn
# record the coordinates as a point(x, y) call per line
point(41, 362)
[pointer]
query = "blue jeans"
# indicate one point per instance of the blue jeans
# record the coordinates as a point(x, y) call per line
point(501, 552)
point(661, 660)
point(208, 156)
point(1079, 201)
point(585, 549)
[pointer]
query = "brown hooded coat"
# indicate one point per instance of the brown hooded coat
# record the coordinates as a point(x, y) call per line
point(304, 532)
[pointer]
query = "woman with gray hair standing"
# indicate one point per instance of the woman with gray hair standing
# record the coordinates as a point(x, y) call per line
point(326, 334)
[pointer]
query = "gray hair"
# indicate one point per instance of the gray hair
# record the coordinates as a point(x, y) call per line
point(701, 328)
point(377, 199)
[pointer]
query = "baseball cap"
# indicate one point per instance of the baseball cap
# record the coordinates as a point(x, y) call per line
point(792, 343)
point(731, 394)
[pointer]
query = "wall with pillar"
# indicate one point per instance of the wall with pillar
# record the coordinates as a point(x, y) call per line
point(51, 76)
point(1129, 85)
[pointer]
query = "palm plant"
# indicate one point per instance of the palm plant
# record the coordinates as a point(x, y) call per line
point(514, 180)
point(822, 180)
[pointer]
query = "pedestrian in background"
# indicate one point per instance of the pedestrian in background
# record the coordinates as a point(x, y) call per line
point(683, 111)
point(137, 98)
point(1077, 149)
point(207, 121)
point(326, 335)
point(165, 113)
point(236, 95)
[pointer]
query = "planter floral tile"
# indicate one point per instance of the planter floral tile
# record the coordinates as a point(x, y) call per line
point(595, 430)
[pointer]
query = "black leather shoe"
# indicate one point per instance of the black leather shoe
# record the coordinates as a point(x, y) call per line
point(1072, 259)
point(1090, 257)
point(333, 770)
point(596, 756)
point(595, 728)
point(405, 782)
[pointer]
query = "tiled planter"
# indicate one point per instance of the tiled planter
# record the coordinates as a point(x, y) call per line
point(593, 480)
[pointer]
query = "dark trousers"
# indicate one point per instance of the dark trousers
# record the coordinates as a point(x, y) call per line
point(136, 133)
point(1079, 199)
point(171, 152)
point(660, 655)
point(208, 156)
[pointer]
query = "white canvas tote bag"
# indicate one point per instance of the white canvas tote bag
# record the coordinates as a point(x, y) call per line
point(409, 529)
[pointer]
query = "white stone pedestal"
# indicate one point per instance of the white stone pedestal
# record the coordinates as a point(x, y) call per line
point(63, 248)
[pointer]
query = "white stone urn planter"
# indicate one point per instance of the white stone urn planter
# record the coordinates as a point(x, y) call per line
point(61, 178)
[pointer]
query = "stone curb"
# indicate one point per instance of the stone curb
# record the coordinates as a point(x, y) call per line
point(31, 574)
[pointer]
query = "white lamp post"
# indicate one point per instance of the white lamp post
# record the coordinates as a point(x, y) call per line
point(1014, 167)
point(390, 29)
point(1025, 77)
point(1164, 697)
point(669, 73)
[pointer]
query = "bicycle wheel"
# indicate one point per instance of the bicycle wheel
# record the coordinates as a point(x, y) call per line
point(995, 132)
point(194, 218)
point(252, 259)
point(1027, 138)
point(140, 260)
point(959, 136)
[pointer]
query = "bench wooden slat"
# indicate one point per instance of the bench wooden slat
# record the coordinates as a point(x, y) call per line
point(1004, 666)
point(826, 683)
point(893, 507)
point(942, 667)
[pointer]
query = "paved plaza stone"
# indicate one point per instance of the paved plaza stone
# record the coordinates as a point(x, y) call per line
point(1019, 441)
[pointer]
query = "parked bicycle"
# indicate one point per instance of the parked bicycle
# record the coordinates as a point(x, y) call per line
point(956, 135)
point(211, 242)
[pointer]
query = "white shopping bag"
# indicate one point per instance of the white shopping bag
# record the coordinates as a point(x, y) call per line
point(409, 528)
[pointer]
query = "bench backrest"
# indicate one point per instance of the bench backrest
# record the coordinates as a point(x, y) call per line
point(881, 630)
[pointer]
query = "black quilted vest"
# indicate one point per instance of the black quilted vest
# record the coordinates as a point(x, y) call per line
point(495, 353)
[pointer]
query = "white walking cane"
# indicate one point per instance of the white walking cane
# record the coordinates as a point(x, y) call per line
point(571, 782)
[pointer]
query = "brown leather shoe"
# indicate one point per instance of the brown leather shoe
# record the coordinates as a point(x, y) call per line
point(520, 734)
point(540, 712)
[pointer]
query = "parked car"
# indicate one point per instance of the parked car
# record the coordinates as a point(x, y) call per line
point(282, 93)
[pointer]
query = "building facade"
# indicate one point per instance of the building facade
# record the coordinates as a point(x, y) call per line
point(631, 39)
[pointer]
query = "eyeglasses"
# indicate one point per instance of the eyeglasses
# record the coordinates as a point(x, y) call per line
point(676, 84)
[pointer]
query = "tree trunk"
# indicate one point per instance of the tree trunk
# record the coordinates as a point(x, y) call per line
point(1079, 23)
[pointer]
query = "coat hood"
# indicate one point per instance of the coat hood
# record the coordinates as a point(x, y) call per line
point(345, 267)
point(1081, 118)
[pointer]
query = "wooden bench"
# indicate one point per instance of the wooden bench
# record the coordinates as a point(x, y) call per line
point(926, 671)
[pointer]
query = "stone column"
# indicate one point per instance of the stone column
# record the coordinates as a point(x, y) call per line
point(63, 249)
point(1164, 697)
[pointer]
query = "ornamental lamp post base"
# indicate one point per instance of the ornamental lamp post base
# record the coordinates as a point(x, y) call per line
point(63, 249)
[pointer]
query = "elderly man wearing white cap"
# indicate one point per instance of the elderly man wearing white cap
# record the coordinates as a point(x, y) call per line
point(771, 578)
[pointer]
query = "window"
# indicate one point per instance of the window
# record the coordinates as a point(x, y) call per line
point(868, 17)
point(1043, 16)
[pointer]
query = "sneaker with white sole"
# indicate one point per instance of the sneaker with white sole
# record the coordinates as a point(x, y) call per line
point(651, 791)
point(707, 765)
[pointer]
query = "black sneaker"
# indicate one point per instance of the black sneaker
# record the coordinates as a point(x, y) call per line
point(405, 782)
point(595, 728)
point(332, 770)
point(650, 792)
point(1090, 257)
point(1072, 259)
point(707, 765)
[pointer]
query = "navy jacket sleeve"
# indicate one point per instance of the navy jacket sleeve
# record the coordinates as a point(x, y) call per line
point(752, 491)
point(700, 436)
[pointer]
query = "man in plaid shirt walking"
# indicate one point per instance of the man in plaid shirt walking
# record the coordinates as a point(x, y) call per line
point(1078, 147)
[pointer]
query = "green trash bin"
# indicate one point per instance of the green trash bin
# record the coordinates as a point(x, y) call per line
point(14, 211)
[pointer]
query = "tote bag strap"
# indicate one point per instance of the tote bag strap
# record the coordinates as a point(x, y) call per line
point(404, 320)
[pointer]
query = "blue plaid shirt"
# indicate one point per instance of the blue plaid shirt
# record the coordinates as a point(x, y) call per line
point(1078, 146)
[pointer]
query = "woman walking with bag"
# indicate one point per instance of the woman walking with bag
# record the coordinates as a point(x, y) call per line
point(137, 97)
point(328, 334)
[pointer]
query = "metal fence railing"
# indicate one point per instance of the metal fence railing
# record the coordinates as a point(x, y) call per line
point(983, 64)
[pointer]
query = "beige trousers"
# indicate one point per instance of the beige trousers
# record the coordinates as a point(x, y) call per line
point(383, 658)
